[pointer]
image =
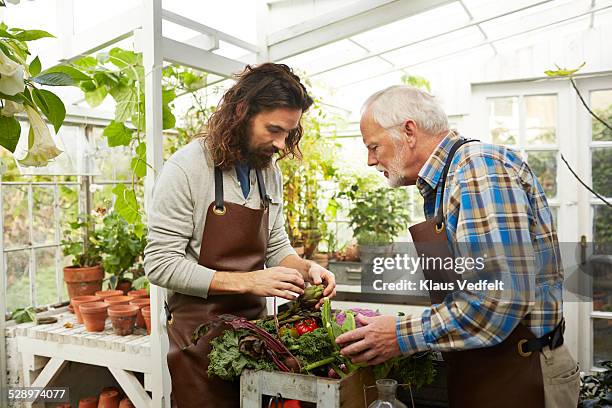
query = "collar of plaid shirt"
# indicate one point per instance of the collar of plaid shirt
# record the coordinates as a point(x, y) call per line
point(430, 173)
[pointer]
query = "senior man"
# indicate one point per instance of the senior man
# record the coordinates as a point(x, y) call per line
point(503, 349)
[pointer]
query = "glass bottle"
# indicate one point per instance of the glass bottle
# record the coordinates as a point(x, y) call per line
point(386, 395)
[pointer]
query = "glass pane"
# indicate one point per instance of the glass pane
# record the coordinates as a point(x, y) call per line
point(601, 104)
point(602, 340)
point(113, 162)
point(69, 206)
point(46, 287)
point(18, 279)
point(602, 224)
point(544, 166)
point(601, 171)
point(16, 227)
point(102, 195)
point(541, 119)
point(504, 120)
point(43, 215)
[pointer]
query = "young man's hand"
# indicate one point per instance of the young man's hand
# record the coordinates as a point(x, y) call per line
point(316, 275)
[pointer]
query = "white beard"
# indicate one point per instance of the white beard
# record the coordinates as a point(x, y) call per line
point(395, 177)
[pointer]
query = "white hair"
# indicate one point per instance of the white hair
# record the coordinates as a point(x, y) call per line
point(393, 105)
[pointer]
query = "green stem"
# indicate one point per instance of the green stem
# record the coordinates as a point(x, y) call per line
point(319, 363)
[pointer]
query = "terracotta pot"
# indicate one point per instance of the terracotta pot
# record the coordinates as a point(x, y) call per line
point(146, 315)
point(124, 286)
point(103, 294)
point(79, 300)
point(109, 399)
point(94, 315)
point(119, 300)
point(112, 388)
point(83, 281)
point(88, 402)
point(71, 309)
point(140, 293)
point(126, 403)
point(140, 303)
point(123, 318)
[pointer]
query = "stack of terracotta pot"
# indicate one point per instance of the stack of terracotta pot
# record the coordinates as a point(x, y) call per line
point(110, 397)
point(125, 312)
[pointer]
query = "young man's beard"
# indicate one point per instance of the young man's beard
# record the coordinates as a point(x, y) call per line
point(257, 157)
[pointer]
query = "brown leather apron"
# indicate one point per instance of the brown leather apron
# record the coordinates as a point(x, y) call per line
point(499, 376)
point(235, 238)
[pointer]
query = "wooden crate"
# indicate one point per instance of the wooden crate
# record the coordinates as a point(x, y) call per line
point(325, 392)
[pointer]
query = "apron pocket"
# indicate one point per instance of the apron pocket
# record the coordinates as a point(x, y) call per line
point(566, 377)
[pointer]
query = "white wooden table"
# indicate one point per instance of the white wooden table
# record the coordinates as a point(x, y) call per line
point(45, 350)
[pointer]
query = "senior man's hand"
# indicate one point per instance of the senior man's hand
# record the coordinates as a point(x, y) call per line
point(374, 343)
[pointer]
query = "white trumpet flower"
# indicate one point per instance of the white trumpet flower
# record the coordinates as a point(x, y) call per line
point(11, 108)
point(11, 76)
point(41, 147)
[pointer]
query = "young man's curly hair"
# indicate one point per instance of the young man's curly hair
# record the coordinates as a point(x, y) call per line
point(258, 88)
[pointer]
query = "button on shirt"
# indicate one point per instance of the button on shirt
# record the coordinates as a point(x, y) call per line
point(491, 196)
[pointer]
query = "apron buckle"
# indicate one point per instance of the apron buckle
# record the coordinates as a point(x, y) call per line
point(439, 228)
point(520, 348)
point(218, 211)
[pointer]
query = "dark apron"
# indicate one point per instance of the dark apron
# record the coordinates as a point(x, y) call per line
point(501, 376)
point(235, 238)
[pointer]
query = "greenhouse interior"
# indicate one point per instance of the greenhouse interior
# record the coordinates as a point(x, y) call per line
point(427, 223)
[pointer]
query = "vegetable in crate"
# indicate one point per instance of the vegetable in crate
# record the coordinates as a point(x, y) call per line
point(304, 342)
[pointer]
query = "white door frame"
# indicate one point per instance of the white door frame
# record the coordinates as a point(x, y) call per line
point(567, 187)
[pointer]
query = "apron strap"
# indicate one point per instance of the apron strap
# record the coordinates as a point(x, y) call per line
point(219, 190)
point(265, 198)
point(219, 206)
point(439, 218)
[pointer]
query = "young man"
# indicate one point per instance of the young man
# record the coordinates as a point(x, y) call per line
point(217, 220)
point(504, 348)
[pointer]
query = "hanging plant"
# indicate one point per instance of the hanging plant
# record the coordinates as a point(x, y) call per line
point(20, 94)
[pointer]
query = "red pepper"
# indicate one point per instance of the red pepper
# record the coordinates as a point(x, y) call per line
point(306, 326)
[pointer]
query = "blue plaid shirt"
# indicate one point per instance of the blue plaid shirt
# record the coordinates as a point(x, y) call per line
point(491, 196)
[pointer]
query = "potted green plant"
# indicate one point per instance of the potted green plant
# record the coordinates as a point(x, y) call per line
point(303, 182)
point(377, 217)
point(124, 245)
point(84, 244)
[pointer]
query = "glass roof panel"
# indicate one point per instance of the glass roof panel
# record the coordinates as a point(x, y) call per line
point(326, 57)
point(88, 14)
point(413, 28)
point(341, 76)
point(234, 17)
point(537, 16)
point(481, 9)
point(437, 47)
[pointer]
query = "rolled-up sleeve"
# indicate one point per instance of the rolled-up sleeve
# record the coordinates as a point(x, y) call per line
point(170, 228)
point(279, 246)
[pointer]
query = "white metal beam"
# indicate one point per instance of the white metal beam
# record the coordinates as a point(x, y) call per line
point(104, 34)
point(339, 24)
point(203, 29)
point(3, 356)
point(153, 62)
point(194, 57)
point(450, 31)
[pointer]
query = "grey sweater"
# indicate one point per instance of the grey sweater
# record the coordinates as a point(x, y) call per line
point(181, 196)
